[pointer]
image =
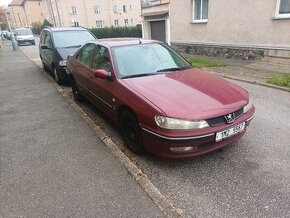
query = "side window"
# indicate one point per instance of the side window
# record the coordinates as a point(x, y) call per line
point(43, 37)
point(85, 54)
point(101, 59)
point(48, 41)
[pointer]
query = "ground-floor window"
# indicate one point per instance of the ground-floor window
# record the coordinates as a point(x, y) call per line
point(283, 9)
point(99, 24)
point(200, 10)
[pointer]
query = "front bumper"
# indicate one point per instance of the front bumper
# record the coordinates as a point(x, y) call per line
point(25, 41)
point(161, 145)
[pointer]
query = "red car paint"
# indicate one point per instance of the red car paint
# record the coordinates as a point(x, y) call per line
point(191, 94)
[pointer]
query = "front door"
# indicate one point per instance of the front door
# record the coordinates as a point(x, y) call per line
point(158, 30)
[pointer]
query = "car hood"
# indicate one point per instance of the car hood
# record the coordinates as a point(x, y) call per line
point(64, 52)
point(190, 94)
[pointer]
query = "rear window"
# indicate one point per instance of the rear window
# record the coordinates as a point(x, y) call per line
point(64, 39)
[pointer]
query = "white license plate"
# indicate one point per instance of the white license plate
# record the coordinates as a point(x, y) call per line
point(229, 132)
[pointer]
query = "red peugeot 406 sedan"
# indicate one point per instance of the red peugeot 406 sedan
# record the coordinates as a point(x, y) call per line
point(162, 104)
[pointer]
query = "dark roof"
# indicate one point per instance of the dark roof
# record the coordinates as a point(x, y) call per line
point(59, 29)
point(124, 41)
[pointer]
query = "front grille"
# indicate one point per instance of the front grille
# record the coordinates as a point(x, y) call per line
point(221, 120)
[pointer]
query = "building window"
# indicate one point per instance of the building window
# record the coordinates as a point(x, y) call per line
point(76, 24)
point(99, 24)
point(283, 8)
point(125, 8)
point(200, 10)
point(116, 22)
point(115, 8)
point(97, 9)
point(126, 22)
point(74, 10)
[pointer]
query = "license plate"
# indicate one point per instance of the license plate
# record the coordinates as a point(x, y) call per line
point(229, 132)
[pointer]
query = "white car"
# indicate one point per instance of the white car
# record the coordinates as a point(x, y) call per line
point(24, 36)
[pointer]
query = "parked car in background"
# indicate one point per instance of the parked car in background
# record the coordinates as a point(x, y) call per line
point(162, 104)
point(56, 44)
point(24, 36)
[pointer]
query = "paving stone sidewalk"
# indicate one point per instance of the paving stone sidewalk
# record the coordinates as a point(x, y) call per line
point(52, 164)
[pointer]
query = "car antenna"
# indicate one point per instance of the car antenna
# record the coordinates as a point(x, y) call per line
point(140, 42)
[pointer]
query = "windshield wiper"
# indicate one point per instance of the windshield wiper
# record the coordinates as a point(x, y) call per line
point(138, 75)
point(73, 46)
point(173, 69)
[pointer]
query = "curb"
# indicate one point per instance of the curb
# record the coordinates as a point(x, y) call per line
point(141, 178)
point(250, 81)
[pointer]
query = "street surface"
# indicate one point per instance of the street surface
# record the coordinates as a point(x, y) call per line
point(248, 179)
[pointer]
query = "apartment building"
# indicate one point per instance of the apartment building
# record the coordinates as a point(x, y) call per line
point(234, 29)
point(93, 13)
point(26, 12)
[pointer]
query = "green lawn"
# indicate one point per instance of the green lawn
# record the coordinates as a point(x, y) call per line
point(203, 62)
point(280, 80)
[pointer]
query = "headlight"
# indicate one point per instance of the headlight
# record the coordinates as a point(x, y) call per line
point(62, 63)
point(248, 106)
point(173, 123)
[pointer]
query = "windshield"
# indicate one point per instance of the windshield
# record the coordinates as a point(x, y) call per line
point(147, 59)
point(71, 38)
point(23, 32)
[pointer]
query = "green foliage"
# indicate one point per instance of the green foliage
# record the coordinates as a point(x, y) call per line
point(280, 80)
point(203, 62)
point(36, 27)
point(116, 32)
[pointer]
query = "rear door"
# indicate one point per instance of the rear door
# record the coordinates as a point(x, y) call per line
point(47, 53)
point(82, 67)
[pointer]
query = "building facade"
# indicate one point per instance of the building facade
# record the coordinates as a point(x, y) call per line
point(93, 14)
point(156, 20)
point(26, 12)
point(234, 29)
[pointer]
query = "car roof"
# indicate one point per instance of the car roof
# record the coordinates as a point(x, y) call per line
point(59, 29)
point(23, 28)
point(112, 42)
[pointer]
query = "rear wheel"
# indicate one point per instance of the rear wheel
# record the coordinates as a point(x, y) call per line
point(44, 67)
point(57, 76)
point(131, 132)
point(76, 93)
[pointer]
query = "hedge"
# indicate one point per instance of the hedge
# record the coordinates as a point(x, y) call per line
point(115, 32)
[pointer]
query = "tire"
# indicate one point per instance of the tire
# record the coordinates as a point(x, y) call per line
point(56, 76)
point(131, 132)
point(76, 93)
point(44, 67)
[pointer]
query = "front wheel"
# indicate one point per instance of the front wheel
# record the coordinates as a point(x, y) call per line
point(131, 132)
point(76, 93)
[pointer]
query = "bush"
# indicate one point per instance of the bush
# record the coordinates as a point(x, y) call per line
point(36, 28)
point(116, 32)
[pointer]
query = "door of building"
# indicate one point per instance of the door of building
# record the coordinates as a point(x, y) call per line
point(158, 30)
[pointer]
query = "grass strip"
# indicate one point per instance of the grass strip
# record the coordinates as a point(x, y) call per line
point(280, 80)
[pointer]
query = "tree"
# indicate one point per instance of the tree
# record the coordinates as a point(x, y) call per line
point(3, 21)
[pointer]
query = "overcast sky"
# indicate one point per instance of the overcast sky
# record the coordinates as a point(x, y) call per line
point(4, 2)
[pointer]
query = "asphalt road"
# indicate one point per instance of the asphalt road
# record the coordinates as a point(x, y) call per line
point(248, 179)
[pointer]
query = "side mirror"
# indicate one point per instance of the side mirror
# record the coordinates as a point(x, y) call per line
point(102, 74)
point(44, 47)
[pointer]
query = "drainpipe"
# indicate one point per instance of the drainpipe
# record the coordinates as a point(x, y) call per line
point(26, 20)
point(86, 14)
point(51, 11)
point(59, 20)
